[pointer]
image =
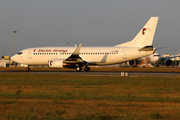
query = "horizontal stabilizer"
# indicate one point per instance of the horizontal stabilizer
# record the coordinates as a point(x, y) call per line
point(146, 48)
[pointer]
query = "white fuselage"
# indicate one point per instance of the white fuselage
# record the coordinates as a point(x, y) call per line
point(77, 57)
point(92, 55)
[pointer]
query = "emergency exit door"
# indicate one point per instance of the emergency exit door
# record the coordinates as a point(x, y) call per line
point(124, 54)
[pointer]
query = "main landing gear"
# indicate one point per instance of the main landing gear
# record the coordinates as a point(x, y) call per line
point(79, 67)
point(85, 69)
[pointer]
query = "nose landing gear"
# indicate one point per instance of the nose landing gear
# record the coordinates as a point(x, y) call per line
point(79, 67)
point(27, 69)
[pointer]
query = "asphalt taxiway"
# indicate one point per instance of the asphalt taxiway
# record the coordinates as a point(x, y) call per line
point(91, 73)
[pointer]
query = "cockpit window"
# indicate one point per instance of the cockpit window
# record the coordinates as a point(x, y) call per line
point(19, 53)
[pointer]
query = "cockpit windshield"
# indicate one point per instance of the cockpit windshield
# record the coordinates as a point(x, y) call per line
point(19, 53)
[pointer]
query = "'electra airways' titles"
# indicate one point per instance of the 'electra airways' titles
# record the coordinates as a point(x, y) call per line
point(78, 57)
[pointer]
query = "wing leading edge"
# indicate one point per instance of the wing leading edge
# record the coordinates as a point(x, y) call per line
point(75, 58)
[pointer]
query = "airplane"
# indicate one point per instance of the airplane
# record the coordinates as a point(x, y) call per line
point(153, 59)
point(78, 57)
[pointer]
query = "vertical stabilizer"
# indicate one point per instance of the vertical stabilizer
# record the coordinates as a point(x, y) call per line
point(145, 36)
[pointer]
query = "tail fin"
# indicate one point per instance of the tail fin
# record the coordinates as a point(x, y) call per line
point(145, 35)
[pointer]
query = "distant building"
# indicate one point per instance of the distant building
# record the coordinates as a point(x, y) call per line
point(165, 55)
point(5, 63)
point(177, 56)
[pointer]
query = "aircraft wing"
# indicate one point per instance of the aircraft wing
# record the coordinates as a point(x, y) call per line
point(162, 58)
point(74, 58)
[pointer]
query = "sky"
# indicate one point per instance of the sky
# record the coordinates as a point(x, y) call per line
point(41, 23)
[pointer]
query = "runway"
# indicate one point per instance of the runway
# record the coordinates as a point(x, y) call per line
point(97, 73)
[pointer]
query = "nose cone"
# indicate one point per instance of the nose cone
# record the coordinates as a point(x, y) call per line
point(14, 58)
point(155, 58)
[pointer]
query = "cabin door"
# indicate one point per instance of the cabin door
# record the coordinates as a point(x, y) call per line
point(124, 54)
point(29, 55)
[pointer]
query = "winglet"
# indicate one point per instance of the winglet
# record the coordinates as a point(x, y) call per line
point(76, 52)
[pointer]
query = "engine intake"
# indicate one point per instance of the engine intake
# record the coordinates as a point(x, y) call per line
point(168, 62)
point(54, 63)
point(132, 63)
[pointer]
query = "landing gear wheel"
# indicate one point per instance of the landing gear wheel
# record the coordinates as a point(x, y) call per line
point(78, 69)
point(27, 69)
point(156, 65)
point(87, 68)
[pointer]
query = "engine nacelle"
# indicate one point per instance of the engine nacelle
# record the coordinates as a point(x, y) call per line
point(132, 63)
point(168, 62)
point(56, 63)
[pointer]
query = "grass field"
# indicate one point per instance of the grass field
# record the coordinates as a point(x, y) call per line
point(55, 96)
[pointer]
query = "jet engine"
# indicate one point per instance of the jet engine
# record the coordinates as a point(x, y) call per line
point(132, 63)
point(167, 62)
point(56, 63)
